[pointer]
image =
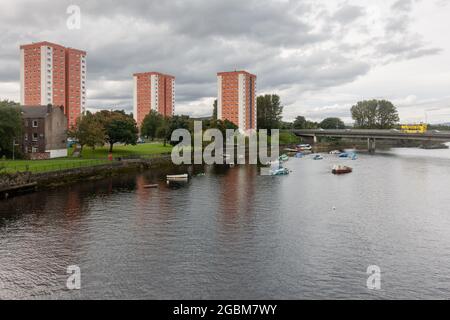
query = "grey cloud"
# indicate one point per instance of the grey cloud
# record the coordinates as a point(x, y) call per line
point(194, 39)
point(348, 14)
point(403, 5)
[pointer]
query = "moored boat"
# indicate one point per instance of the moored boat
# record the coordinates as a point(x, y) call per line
point(177, 178)
point(338, 169)
point(149, 186)
point(317, 157)
point(280, 172)
point(304, 147)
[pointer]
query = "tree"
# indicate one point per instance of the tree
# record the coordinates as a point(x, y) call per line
point(269, 110)
point(299, 123)
point(151, 123)
point(119, 127)
point(332, 123)
point(163, 132)
point(10, 126)
point(375, 114)
point(169, 124)
point(214, 116)
point(88, 131)
point(387, 115)
point(223, 125)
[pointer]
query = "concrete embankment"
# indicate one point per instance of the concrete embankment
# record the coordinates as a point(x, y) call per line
point(14, 183)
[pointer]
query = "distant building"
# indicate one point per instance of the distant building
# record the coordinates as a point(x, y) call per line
point(53, 74)
point(153, 91)
point(236, 98)
point(45, 132)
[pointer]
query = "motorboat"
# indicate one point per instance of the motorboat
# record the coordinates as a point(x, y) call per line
point(339, 169)
point(302, 147)
point(280, 172)
point(177, 178)
point(335, 152)
point(317, 157)
point(299, 155)
point(284, 157)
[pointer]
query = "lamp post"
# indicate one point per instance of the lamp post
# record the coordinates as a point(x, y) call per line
point(14, 147)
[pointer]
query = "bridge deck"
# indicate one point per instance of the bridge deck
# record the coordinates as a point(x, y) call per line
point(443, 136)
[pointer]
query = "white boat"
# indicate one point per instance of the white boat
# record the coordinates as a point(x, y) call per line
point(303, 147)
point(177, 177)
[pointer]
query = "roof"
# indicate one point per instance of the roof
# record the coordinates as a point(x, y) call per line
point(50, 44)
point(152, 73)
point(35, 112)
point(41, 43)
point(234, 72)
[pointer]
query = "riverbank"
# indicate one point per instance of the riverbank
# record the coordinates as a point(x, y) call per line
point(11, 183)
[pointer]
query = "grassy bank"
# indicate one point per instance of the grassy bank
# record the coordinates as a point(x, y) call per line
point(36, 166)
point(89, 158)
point(125, 151)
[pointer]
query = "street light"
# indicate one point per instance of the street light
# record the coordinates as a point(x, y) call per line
point(14, 147)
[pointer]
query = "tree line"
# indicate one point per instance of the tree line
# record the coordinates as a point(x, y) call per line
point(111, 127)
point(367, 114)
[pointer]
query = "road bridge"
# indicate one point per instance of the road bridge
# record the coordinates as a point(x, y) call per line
point(373, 135)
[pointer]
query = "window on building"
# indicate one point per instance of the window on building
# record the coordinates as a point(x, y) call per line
point(35, 136)
point(35, 123)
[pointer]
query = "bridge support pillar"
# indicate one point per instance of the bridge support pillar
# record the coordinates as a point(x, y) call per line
point(371, 145)
point(315, 139)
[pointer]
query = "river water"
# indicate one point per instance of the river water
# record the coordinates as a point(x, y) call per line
point(233, 234)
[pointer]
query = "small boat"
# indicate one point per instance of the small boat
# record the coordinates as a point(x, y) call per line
point(302, 147)
point(148, 186)
point(334, 152)
point(177, 178)
point(284, 157)
point(343, 155)
point(338, 169)
point(354, 156)
point(280, 172)
point(299, 155)
point(290, 150)
point(318, 157)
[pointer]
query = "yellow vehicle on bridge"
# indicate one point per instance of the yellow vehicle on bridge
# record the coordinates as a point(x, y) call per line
point(414, 128)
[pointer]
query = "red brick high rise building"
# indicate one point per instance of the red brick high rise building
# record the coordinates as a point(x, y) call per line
point(236, 98)
point(53, 74)
point(153, 91)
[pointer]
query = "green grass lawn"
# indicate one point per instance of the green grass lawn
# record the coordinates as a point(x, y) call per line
point(47, 165)
point(124, 151)
point(89, 158)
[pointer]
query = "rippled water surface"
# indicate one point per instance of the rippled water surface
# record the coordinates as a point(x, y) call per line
point(235, 234)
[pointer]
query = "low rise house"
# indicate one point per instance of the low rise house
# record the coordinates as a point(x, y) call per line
point(44, 132)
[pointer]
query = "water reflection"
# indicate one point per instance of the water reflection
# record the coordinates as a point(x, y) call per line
point(234, 234)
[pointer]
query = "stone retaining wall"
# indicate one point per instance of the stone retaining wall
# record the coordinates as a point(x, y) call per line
point(61, 177)
point(14, 179)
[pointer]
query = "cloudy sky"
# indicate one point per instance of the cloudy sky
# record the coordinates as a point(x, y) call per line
point(320, 56)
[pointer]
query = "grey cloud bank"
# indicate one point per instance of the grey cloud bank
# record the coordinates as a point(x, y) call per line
point(303, 50)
